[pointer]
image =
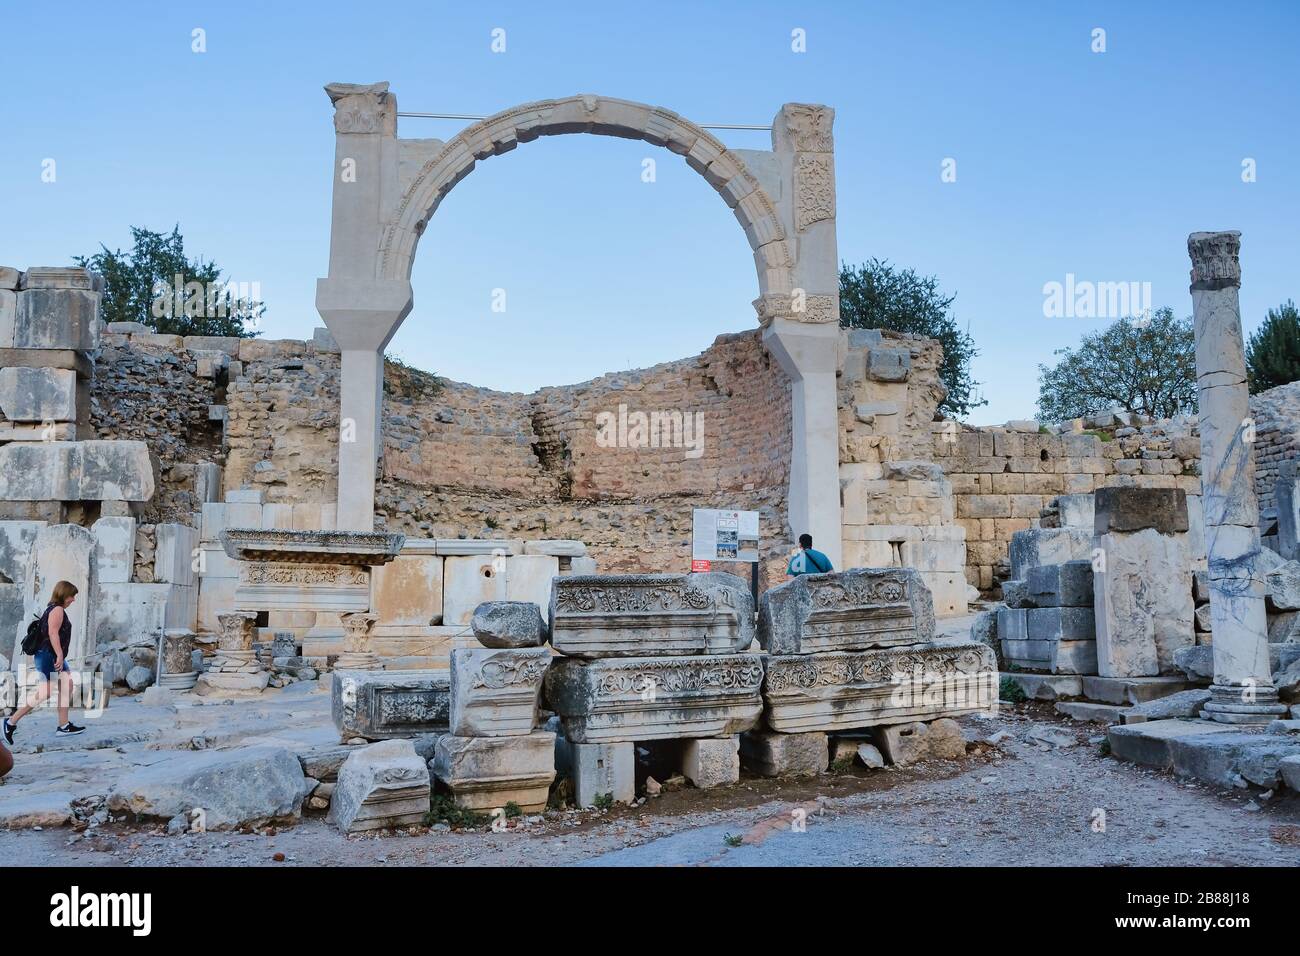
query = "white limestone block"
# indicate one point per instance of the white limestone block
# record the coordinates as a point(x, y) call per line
point(175, 553)
point(495, 692)
point(114, 549)
point(528, 578)
point(1143, 603)
point(57, 319)
point(468, 581)
point(38, 394)
point(64, 552)
point(408, 590)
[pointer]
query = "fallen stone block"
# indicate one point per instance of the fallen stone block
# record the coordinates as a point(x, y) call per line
point(381, 786)
point(1282, 587)
point(232, 788)
point(486, 773)
point(905, 744)
point(846, 611)
point(1289, 769)
point(1183, 703)
point(506, 624)
point(1196, 662)
point(771, 754)
point(655, 698)
point(495, 693)
point(383, 704)
point(713, 762)
point(648, 615)
point(849, 689)
point(603, 771)
point(1015, 594)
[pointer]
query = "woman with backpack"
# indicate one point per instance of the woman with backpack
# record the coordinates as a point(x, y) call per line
point(53, 638)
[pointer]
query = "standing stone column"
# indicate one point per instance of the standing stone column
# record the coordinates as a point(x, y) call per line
point(1243, 691)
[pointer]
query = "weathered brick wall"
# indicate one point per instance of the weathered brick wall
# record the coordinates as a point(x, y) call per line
point(1277, 437)
point(462, 460)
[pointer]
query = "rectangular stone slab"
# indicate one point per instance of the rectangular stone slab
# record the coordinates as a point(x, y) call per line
point(378, 705)
point(484, 773)
point(494, 693)
point(852, 610)
point(655, 698)
point(646, 615)
point(841, 690)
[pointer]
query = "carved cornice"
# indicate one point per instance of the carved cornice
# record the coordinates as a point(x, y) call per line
point(363, 108)
point(817, 309)
point(362, 548)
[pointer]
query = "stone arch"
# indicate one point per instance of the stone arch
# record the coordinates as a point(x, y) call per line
point(724, 170)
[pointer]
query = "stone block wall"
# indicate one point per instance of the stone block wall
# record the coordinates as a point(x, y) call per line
point(1277, 438)
point(1002, 478)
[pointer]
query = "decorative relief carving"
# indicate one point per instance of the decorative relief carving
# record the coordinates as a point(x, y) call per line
point(362, 108)
point(237, 631)
point(1214, 259)
point(881, 667)
point(633, 596)
point(816, 309)
point(814, 187)
point(510, 671)
point(302, 575)
point(671, 676)
point(361, 548)
point(809, 127)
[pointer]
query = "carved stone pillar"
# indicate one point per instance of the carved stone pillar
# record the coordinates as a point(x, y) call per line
point(1243, 691)
point(361, 311)
point(801, 324)
point(357, 655)
point(178, 671)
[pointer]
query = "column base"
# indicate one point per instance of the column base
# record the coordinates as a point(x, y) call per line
point(1227, 705)
point(358, 661)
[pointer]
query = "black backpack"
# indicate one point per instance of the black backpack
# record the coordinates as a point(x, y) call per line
point(35, 638)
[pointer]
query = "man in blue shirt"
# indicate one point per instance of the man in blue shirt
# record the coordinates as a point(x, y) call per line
point(807, 560)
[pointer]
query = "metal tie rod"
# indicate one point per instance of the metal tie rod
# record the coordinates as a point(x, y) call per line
point(467, 116)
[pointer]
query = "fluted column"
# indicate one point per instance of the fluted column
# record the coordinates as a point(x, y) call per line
point(1243, 691)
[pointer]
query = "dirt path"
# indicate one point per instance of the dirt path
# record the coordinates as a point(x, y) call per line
point(1010, 804)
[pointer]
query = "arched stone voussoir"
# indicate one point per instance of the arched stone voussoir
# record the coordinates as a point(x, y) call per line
point(585, 113)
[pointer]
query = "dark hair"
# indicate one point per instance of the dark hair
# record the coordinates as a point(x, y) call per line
point(805, 541)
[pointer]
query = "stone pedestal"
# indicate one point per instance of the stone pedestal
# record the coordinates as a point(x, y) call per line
point(1243, 691)
point(712, 763)
point(784, 755)
point(485, 773)
point(601, 770)
point(235, 668)
point(381, 786)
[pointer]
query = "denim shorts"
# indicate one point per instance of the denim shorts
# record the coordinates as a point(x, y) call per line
point(44, 660)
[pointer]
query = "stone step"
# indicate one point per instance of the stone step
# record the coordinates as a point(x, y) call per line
point(1150, 743)
point(1094, 713)
point(1131, 690)
point(1045, 686)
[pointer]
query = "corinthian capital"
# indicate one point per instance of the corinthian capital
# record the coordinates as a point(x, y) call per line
point(363, 108)
point(1214, 259)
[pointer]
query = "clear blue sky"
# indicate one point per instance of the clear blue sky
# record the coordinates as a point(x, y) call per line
point(1068, 161)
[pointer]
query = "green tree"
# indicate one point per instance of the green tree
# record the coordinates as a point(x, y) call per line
point(157, 285)
point(877, 295)
point(1146, 366)
point(1273, 354)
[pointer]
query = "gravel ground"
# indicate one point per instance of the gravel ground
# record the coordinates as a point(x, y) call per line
point(1009, 804)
